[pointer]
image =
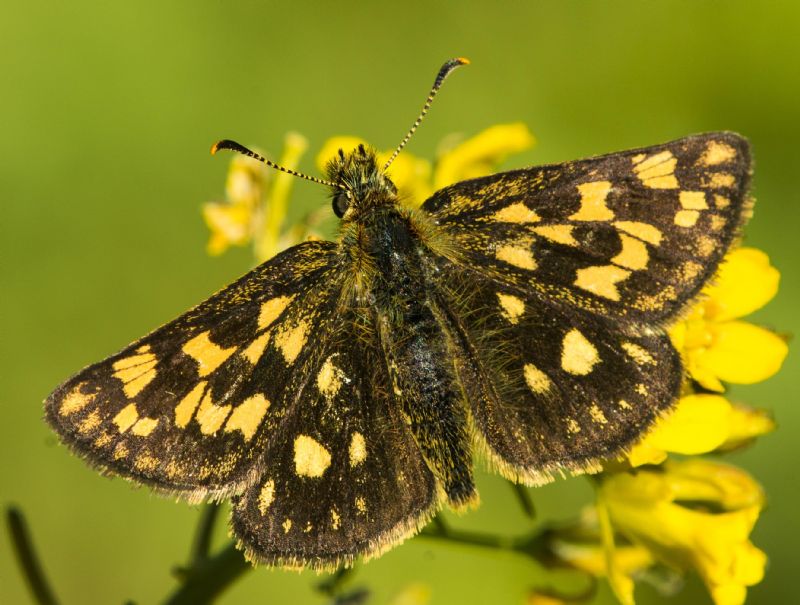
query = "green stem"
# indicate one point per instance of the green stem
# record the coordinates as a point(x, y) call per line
point(524, 498)
point(202, 538)
point(533, 544)
point(27, 558)
point(210, 577)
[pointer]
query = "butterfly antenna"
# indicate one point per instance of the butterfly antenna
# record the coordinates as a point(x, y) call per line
point(234, 146)
point(448, 67)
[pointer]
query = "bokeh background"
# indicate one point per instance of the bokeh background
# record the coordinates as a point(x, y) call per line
point(107, 113)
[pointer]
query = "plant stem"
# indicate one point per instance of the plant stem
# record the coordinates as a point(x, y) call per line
point(210, 577)
point(28, 560)
point(202, 538)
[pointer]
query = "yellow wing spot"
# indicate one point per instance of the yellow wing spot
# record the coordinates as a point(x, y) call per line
point(578, 355)
point(639, 354)
point(271, 309)
point(121, 451)
point(720, 179)
point(705, 245)
point(136, 371)
point(308, 528)
point(336, 520)
point(693, 200)
point(593, 202)
point(717, 222)
point(287, 525)
point(210, 417)
point(75, 401)
point(686, 218)
point(643, 231)
point(311, 459)
point(145, 462)
point(657, 171)
point(247, 416)
point(561, 234)
point(717, 153)
point(185, 409)
point(266, 496)
point(519, 257)
point(597, 414)
point(721, 202)
point(516, 213)
point(208, 355)
point(690, 270)
point(291, 341)
point(624, 404)
point(174, 469)
point(358, 449)
point(91, 422)
point(361, 504)
point(573, 427)
point(601, 280)
point(633, 255)
point(537, 381)
point(641, 388)
point(144, 426)
point(255, 349)
point(126, 417)
point(330, 378)
point(103, 440)
point(511, 307)
point(143, 357)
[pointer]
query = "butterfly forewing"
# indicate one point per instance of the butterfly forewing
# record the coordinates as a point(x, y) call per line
point(186, 408)
point(633, 235)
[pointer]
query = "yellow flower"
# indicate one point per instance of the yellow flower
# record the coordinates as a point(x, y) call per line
point(257, 198)
point(414, 177)
point(692, 514)
point(717, 346)
point(480, 154)
point(231, 222)
point(586, 546)
point(699, 424)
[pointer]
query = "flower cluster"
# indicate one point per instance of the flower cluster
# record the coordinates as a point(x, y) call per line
point(661, 508)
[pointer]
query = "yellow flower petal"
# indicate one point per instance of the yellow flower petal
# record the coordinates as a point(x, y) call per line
point(229, 225)
point(746, 282)
point(330, 149)
point(746, 423)
point(699, 424)
point(741, 353)
point(480, 154)
point(411, 175)
point(682, 535)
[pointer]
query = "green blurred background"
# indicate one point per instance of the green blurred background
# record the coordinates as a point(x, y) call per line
point(108, 110)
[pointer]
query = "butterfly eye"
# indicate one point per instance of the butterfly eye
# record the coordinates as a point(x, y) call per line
point(341, 202)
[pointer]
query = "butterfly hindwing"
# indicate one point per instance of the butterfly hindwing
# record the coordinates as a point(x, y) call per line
point(186, 408)
point(549, 387)
point(634, 235)
point(344, 474)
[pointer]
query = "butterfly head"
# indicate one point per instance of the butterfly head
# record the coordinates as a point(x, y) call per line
point(358, 181)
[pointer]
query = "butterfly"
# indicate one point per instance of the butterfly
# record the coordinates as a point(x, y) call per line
point(338, 392)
